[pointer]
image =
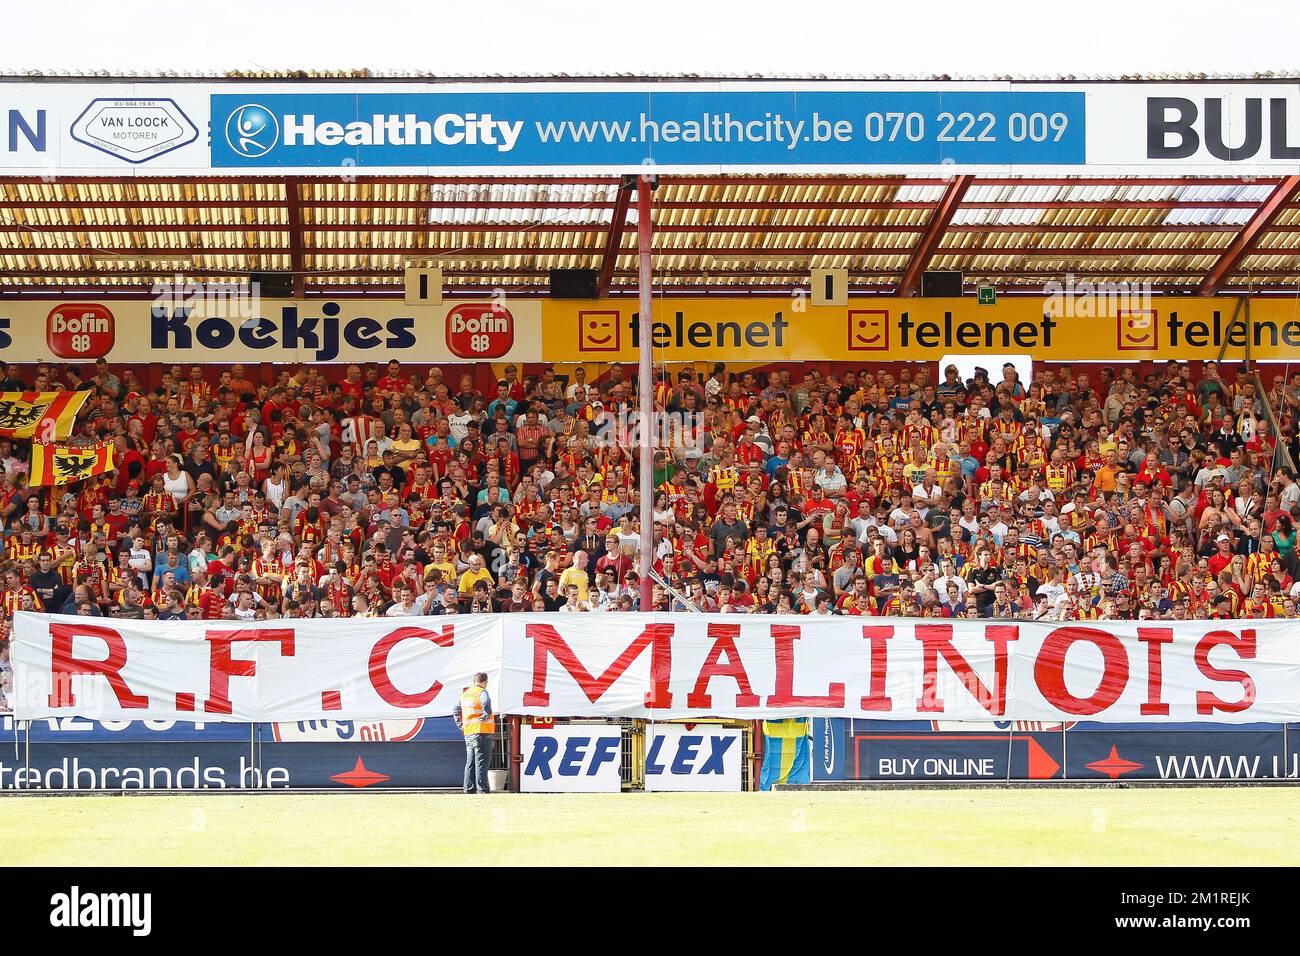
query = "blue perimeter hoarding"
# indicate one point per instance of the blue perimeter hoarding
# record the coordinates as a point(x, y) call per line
point(672, 128)
point(77, 754)
point(855, 749)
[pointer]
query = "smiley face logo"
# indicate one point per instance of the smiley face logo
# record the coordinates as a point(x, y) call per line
point(868, 330)
point(599, 332)
point(1136, 330)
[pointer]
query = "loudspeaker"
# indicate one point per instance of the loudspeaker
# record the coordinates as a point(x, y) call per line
point(574, 283)
point(273, 285)
point(941, 284)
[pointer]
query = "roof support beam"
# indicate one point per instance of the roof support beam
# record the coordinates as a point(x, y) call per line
point(928, 244)
point(539, 290)
point(764, 205)
point(614, 238)
point(739, 253)
point(491, 269)
point(711, 229)
point(1249, 235)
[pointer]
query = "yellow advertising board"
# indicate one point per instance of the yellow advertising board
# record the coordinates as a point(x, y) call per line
point(877, 329)
point(750, 329)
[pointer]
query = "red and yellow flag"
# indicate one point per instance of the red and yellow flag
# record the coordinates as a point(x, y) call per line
point(65, 464)
point(42, 416)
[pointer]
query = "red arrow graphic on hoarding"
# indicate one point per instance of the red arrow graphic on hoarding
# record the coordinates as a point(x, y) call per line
point(1041, 764)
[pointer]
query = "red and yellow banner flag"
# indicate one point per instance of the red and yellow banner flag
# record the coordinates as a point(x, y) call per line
point(42, 416)
point(65, 464)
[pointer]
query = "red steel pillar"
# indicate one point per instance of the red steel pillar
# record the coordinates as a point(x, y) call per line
point(646, 392)
point(516, 754)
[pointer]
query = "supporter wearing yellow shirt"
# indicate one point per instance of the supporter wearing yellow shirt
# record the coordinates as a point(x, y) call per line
point(448, 569)
point(759, 548)
point(475, 573)
point(576, 573)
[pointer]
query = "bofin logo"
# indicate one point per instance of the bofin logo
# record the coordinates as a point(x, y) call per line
point(252, 131)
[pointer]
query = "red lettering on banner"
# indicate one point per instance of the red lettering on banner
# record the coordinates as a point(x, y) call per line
point(223, 667)
point(936, 639)
point(877, 634)
point(1049, 670)
point(63, 665)
point(548, 643)
point(724, 645)
point(1207, 702)
point(784, 636)
point(1155, 638)
point(379, 664)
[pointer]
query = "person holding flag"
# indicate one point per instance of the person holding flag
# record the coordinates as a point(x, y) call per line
point(56, 464)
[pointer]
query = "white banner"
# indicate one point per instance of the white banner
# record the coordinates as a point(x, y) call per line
point(233, 127)
point(658, 666)
point(692, 757)
point(574, 758)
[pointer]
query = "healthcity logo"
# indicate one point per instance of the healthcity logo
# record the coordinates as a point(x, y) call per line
point(252, 131)
point(77, 908)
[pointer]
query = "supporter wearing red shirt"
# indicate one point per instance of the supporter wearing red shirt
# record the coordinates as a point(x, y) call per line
point(747, 452)
point(1222, 557)
point(392, 382)
point(817, 504)
point(613, 559)
point(1152, 472)
point(144, 415)
point(211, 599)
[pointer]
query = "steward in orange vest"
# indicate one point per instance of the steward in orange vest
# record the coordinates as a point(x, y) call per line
point(476, 720)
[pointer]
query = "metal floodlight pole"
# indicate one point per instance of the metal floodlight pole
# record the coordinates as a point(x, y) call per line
point(646, 392)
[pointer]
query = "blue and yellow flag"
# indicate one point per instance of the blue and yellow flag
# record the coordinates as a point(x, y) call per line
point(785, 752)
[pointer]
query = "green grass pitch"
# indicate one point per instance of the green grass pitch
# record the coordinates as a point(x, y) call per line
point(1228, 826)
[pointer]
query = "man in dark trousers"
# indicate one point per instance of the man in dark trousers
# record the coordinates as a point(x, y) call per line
point(475, 719)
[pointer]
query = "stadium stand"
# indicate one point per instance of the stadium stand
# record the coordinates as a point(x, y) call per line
point(1111, 492)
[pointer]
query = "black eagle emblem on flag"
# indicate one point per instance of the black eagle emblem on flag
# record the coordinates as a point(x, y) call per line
point(15, 416)
point(71, 465)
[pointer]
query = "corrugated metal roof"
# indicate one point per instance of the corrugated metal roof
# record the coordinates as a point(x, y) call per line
point(725, 233)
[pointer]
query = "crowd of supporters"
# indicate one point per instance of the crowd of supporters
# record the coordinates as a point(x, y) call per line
point(1089, 493)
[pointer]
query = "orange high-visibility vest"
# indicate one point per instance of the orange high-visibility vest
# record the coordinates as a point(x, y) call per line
point(472, 719)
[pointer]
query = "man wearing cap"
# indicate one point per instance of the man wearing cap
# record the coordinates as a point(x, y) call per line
point(1223, 554)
